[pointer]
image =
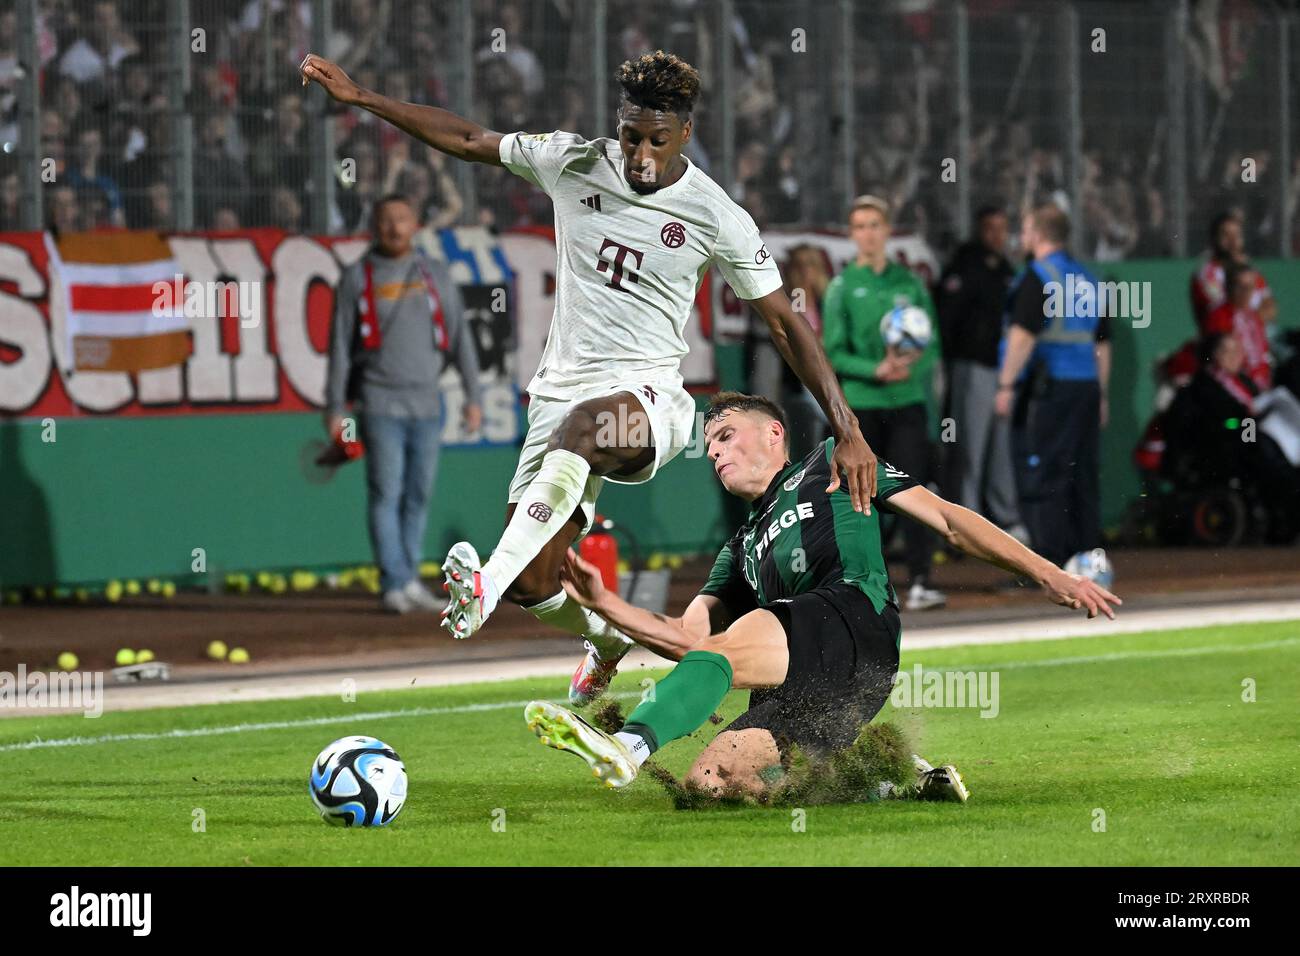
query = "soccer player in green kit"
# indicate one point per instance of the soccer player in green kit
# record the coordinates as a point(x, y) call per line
point(798, 609)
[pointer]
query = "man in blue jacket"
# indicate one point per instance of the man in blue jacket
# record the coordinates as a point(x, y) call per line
point(1053, 377)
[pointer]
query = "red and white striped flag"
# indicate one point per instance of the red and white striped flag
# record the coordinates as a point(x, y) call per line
point(122, 315)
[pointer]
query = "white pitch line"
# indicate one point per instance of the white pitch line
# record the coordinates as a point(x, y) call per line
point(1060, 626)
point(179, 733)
point(1128, 656)
point(182, 732)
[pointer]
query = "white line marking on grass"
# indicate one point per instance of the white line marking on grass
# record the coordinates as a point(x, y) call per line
point(183, 732)
point(180, 733)
point(1127, 656)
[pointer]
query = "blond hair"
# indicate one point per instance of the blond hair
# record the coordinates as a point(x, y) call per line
point(868, 201)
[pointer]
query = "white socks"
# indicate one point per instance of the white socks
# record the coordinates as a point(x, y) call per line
point(491, 596)
point(568, 615)
point(637, 744)
point(546, 505)
point(552, 496)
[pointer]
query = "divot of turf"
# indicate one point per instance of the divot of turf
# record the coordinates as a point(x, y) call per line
point(882, 753)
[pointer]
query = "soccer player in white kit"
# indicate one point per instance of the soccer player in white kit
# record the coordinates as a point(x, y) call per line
point(637, 226)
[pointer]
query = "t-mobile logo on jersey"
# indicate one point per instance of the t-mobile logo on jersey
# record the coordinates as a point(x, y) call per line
point(616, 280)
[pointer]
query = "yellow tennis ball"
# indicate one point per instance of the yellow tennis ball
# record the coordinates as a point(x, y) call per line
point(655, 562)
point(143, 657)
point(675, 561)
point(82, 595)
point(430, 569)
point(154, 585)
point(238, 656)
point(278, 584)
point(623, 567)
point(68, 661)
point(217, 650)
point(133, 587)
point(125, 657)
point(168, 589)
point(113, 591)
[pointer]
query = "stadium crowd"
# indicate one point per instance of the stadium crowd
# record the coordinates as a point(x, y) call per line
point(109, 123)
point(109, 119)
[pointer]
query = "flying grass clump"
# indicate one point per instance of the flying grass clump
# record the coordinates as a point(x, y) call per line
point(876, 764)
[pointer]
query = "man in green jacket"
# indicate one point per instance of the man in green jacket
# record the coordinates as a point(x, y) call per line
point(886, 388)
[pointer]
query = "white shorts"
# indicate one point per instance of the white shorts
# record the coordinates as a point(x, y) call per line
point(671, 411)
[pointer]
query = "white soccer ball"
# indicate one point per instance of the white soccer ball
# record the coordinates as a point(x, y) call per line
point(1093, 565)
point(358, 782)
point(906, 328)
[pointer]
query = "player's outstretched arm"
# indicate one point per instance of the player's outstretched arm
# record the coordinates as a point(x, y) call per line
point(441, 129)
point(794, 339)
point(669, 637)
point(982, 539)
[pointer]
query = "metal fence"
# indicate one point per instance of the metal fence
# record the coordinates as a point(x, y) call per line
point(1144, 118)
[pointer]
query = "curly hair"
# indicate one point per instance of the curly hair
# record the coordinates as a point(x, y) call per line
point(660, 81)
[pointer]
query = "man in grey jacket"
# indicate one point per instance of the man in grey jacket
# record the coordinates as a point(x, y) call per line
point(398, 319)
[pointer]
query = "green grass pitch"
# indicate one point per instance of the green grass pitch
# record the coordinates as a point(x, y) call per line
point(1150, 729)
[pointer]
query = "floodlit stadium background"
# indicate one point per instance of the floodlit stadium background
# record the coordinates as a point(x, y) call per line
point(1140, 117)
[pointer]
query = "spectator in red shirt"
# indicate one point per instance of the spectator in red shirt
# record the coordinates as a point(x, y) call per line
point(1209, 288)
point(1238, 316)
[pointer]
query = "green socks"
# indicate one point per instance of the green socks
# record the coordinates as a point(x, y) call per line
point(682, 701)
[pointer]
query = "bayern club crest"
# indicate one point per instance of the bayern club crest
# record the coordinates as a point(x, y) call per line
point(673, 234)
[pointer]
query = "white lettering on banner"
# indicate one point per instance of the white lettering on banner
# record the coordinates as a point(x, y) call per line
point(254, 367)
point(23, 328)
point(207, 370)
point(296, 262)
point(272, 322)
point(786, 519)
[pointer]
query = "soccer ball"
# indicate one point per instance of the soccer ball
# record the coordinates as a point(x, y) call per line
point(906, 328)
point(1093, 565)
point(358, 781)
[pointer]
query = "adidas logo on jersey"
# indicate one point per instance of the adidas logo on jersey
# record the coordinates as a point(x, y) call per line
point(592, 202)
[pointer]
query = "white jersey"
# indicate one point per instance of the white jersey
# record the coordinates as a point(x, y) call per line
point(628, 265)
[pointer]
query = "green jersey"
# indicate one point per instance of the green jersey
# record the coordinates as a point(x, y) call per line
point(855, 302)
point(798, 538)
